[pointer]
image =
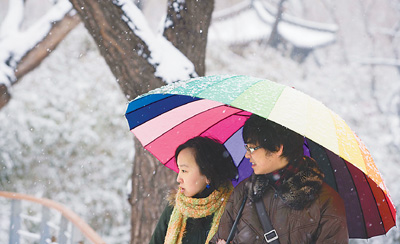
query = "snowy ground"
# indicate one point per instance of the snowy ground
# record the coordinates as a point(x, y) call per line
point(64, 135)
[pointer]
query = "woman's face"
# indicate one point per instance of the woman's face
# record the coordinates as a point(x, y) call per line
point(264, 162)
point(191, 181)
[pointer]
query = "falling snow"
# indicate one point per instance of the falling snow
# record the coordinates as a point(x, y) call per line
point(65, 121)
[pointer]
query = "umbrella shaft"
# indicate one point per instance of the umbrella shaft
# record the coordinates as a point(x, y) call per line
point(233, 230)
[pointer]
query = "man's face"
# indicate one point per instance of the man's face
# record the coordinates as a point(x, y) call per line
point(264, 161)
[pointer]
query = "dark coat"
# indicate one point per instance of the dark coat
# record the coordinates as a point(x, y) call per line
point(322, 220)
point(196, 229)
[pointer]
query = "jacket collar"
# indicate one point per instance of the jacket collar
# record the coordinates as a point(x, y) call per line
point(298, 184)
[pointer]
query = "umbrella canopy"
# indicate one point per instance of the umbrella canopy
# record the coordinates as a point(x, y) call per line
point(218, 106)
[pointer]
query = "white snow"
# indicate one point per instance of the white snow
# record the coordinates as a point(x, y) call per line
point(14, 43)
point(253, 20)
point(63, 135)
point(171, 65)
point(13, 19)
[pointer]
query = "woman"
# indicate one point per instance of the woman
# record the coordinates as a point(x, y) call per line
point(205, 173)
point(301, 207)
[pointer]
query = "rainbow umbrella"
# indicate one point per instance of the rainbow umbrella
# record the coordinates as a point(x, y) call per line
point(218, 106)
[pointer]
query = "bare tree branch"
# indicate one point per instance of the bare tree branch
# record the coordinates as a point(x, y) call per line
point(36, 55)
point(4, 95)
point(381, 61)
point(19, 57)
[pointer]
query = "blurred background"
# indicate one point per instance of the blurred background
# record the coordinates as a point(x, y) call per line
point(63, 135)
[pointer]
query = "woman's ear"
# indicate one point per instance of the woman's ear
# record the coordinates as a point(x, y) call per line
point(280, 151)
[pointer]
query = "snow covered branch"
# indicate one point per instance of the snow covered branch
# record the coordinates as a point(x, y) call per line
point(170, 64)
point(134, 53)
point(381, 61)
point(13, 19)
point(23, 50)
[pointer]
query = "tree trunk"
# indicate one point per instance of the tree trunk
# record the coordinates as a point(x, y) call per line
point(274, 37)
point(151, 183)
point(186, 28)
point(125, 54)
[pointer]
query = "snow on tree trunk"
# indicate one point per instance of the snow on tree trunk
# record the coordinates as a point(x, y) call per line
point(186, 26)
point(125, 53)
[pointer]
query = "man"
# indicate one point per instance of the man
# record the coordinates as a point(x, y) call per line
point(300, 206)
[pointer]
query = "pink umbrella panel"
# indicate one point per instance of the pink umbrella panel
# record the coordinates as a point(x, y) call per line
point(162, 122)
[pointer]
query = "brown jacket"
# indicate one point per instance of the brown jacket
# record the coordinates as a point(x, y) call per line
point(324, 221)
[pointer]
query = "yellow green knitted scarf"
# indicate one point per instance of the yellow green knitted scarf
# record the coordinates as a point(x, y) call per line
point(188, 207)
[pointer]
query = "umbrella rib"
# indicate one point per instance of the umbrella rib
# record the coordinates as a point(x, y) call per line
point(147, 104)
point(209, 85)
point(223, 105)
point(393, 216)
point(331, 166)
point(359, 203)
point(183, 121)
point(169, 102)
point(372, 193)
point(234, 114)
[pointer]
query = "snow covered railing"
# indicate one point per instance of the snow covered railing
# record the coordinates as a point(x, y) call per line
point(42, 228)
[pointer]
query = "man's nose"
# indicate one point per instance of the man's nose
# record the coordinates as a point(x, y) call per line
point(248, 154)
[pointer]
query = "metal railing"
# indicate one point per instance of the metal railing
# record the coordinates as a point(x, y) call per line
point(28, 226)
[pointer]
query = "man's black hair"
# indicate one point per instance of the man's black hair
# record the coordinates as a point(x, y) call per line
point(270, 136)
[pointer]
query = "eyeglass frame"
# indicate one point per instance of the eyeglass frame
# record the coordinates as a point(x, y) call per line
point(251, 149)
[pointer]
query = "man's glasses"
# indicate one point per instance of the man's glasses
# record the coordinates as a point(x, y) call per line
point(251, 149)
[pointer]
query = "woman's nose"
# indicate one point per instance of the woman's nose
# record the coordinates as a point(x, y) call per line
point(178, 179)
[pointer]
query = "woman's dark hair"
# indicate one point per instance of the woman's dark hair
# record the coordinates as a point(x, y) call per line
point(213, 159)
point(270, 136)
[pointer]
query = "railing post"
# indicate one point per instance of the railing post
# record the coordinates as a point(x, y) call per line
point(15, 221)
point(44, 227)
point(80, 231)
point(62, 237)
point(76, 235)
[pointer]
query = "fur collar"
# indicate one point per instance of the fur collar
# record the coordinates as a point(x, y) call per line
point(298, 184)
